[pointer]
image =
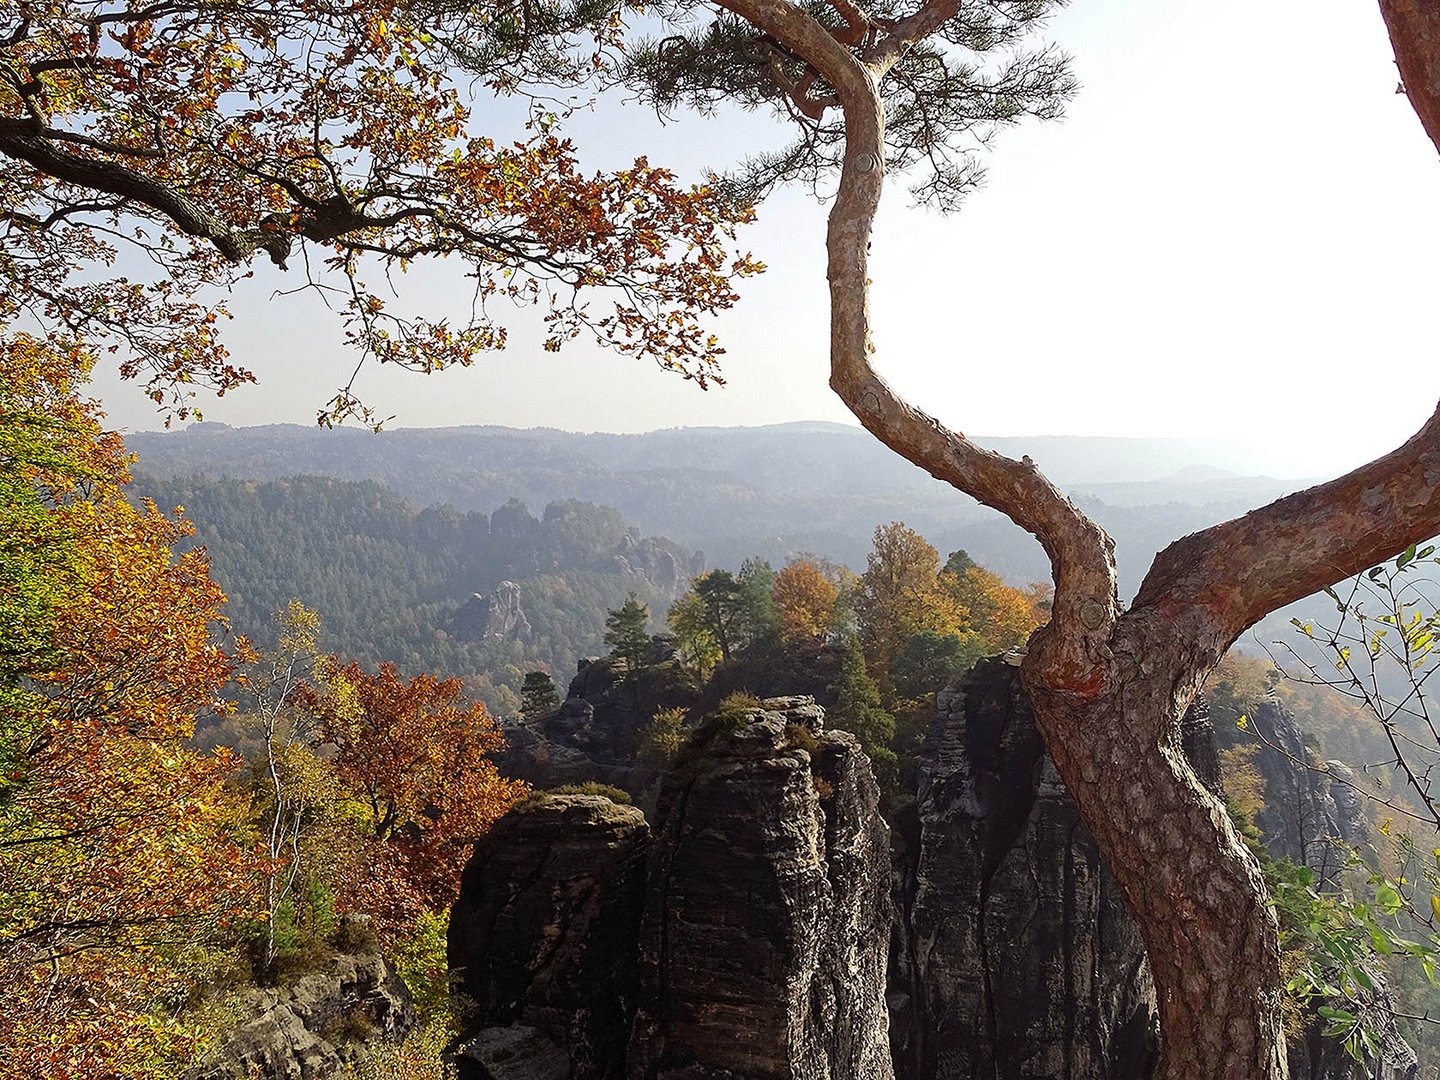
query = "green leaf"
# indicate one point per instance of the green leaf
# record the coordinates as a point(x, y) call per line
point(1389, 899)
point(1380, 942)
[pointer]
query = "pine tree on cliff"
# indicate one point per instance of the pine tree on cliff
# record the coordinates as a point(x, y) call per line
point(627, 632)
point(538, 696)
point(1108, 682)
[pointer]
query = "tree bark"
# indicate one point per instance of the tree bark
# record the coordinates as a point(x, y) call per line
point(1109, 686)
point(1414, 27)
point(1195, 890)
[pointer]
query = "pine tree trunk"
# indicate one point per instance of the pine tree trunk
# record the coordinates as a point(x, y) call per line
point(1195, 890)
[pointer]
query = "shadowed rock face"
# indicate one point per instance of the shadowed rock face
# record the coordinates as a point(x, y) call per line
point(1306, 808)
point(543, 936)
point(746, 939)
point(1309, 806)
point(1015, 955)
point(767, 912)
point(317, 1028)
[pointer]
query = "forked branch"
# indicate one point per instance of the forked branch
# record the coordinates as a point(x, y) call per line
point(1241, 570)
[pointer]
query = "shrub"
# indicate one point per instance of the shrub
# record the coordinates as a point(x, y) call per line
point(663, 736)
point(592, 787)
point(801, 738)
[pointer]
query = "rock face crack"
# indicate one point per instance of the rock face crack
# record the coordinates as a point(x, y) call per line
point(1020, 945)
point(542, 940)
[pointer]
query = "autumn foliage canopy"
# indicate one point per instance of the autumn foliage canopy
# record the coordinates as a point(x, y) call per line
point(336, 139)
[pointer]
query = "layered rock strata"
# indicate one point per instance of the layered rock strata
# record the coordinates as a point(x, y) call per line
point(767, 913)
point(1015, 956)
point(746, 939)
point(542, 939)
point(317, 1028)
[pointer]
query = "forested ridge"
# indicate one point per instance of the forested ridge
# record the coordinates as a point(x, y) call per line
point(388, 579)
point(738, 492)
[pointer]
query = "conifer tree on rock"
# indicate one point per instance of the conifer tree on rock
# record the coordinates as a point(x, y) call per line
point(628, 634)
point(538, 695)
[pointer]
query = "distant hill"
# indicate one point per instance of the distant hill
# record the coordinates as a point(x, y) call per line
point(426, 588)
point(734, 492)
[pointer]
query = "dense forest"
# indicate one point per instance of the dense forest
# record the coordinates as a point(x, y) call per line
point(393, 583)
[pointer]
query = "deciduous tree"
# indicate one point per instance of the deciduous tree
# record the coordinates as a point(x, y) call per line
point(270, 685)
point(874, 87)
point(335, 136)
point(804, 597)
point(120, 847)
point(418, 762)
point(689, 622)
point(899, 596)
point(1002, 615)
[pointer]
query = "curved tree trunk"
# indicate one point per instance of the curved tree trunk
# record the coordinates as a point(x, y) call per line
point(1109, 687)
point(1194, 888)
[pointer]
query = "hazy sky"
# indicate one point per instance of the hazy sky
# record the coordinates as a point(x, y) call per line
point(1233, 233)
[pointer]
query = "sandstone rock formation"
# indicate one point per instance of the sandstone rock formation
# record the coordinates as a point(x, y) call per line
point(317, 1028)
point(752, 945)
point(595, 733)
point(543, 939)
point(767, 913)
point(500, 616)
point(1307, 807)
point(647, 558)
point(1015, 955)
point(1311, 804)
